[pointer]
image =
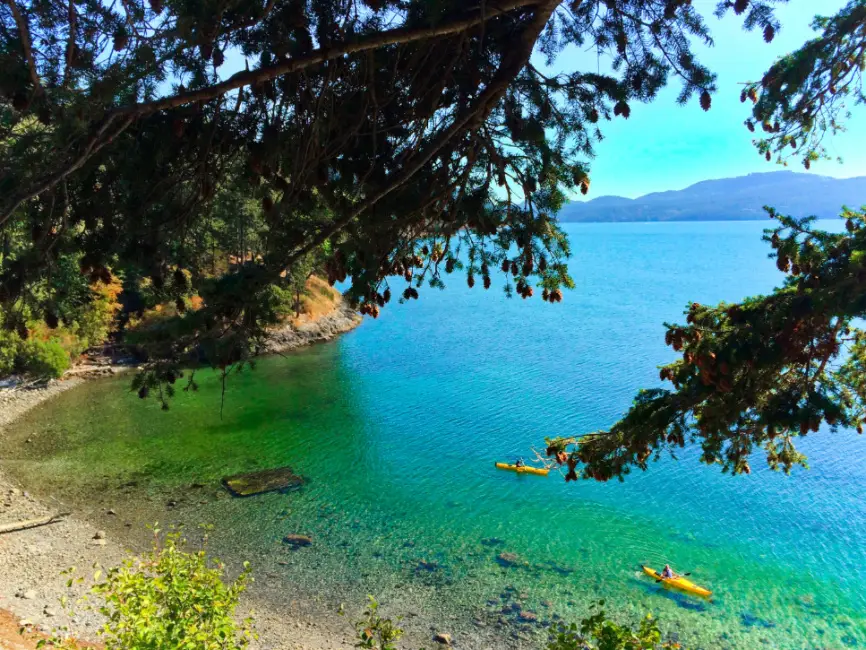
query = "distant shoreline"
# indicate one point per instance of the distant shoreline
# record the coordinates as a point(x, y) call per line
point(696, 221)
point(740, 198)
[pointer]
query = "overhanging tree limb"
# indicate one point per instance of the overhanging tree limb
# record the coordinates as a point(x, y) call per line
point(472, 117)
point(132, 112)
point(97, 141)
point(399, 36)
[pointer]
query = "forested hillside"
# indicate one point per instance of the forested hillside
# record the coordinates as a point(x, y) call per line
point(729, 199)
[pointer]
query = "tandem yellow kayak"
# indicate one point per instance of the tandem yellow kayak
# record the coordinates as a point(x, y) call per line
point(524, 469)
point(678, 583)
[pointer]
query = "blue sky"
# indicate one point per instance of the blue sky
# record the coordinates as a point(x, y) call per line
point(663, 146)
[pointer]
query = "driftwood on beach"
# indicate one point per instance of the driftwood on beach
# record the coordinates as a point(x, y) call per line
point(31, 523)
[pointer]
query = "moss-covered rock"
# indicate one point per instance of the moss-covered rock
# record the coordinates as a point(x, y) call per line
point(268, 480)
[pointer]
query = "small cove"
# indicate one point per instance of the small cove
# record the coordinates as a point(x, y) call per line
point(396, 427)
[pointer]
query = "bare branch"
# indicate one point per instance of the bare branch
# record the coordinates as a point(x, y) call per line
point(24, 31)
point(70, 46)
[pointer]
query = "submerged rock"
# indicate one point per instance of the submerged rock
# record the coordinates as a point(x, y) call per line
point(297, 541)
point(561, 569)
point(510, 559)
point(269, 480)
point(444, 639)
point(750, 620)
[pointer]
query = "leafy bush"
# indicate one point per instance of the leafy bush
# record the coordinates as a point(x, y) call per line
point(170, 598)
point(280, 300)
point(10, 345)
point(376, 632)
point(93, 322)
point(42, 359)
point(597, 632)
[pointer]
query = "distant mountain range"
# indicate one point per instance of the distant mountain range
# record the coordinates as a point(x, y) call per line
point(729, 199)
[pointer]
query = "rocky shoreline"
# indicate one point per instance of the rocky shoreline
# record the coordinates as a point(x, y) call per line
point(31, 560)
point(325, 328)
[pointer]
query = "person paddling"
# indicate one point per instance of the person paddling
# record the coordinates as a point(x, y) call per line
point(668, 573)
point(519, 463)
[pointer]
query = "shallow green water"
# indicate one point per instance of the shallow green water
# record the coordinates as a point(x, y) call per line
point(397, 425)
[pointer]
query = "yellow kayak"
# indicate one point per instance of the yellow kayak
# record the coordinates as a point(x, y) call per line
point(523, 470)
point(678, 583)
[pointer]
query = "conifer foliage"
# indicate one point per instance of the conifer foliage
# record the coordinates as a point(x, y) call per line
point(756, 375)
point(402, 140)
point(753, 375)
point(808, 93)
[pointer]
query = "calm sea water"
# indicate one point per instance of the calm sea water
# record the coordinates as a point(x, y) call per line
point(397, 426)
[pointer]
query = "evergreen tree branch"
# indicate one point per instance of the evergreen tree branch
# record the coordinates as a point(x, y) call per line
point(803, 95)
point(469, 120)
point(752, 373)
point(101, 137)
point(398, 36)
point(239, 80)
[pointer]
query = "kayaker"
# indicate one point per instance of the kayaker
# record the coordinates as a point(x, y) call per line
point(668, 573)
point(519, 463)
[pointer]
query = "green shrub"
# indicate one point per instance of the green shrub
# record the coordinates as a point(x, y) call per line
point(376, 632)
point(10, 344)
point(169, 598)
point(43, 359)
point(280, 300)
point(597, 632)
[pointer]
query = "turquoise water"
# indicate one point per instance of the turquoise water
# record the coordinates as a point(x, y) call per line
point(397, 425)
